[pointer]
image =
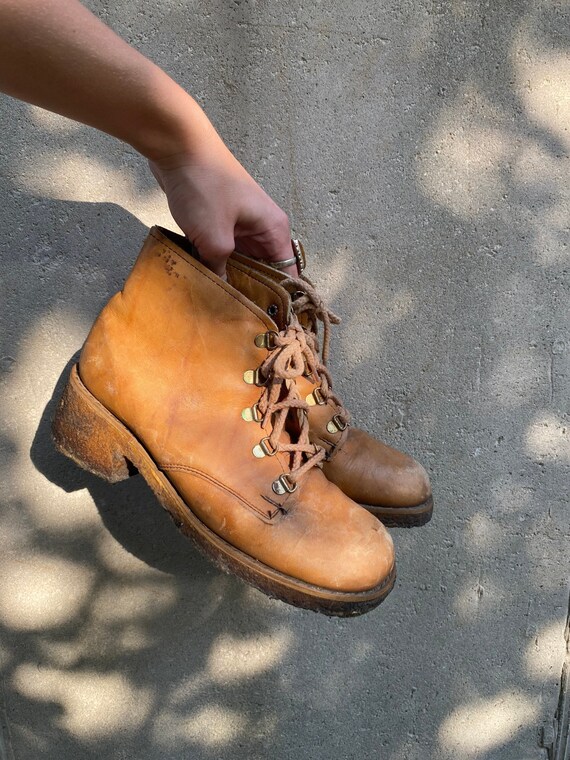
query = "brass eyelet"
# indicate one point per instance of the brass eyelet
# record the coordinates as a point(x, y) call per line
point(264, 449)
point(268, 449)
point(266, 339)
point(251, 414)
point(283, 485)
point(316, 397)
point(254, 377)
point(337, 424)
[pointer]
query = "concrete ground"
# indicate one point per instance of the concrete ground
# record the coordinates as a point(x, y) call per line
point(421, 149)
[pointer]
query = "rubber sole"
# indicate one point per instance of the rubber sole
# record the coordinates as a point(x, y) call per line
point(403, 517)
point(86, 432)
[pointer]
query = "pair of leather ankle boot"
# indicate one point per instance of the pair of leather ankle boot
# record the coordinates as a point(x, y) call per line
point(219, 395)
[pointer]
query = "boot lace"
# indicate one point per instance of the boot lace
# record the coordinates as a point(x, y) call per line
point(289, 356)
point(308, 303)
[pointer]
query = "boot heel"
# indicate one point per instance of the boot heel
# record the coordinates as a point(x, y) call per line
point(86, 432)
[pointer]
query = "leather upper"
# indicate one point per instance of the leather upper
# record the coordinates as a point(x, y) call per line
point(167, 357)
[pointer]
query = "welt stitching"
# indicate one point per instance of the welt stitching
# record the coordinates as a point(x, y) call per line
point(207, 276)
point(199, 473)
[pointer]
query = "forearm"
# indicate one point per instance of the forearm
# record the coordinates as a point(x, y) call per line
point(56, 54)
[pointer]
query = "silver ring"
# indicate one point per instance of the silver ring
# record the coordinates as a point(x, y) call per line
point(282, 264)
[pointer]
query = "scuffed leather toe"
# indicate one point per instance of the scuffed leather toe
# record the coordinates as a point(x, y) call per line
point(323, 538)
point(372, 473)
point(355, 551)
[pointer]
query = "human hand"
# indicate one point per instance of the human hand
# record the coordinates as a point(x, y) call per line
point(220, 207)
point(59, 56)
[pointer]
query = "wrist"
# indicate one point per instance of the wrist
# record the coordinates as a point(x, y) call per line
point(174, 125)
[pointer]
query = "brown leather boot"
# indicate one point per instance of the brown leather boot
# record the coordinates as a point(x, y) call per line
point(389, 483)
point(191, 383)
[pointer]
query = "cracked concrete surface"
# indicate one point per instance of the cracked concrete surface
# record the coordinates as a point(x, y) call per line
point(421, 150)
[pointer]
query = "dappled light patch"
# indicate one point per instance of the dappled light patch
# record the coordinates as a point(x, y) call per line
point(40, 591)
point(124, 601)
point(478, 597)
point(94, 705)
point(542, 76)
point(460, 166)
point(535, 172)
point(548, 438)
point(232, 658)
point(482, 725)
point(481, 532)
point(209, 726)
point(546, 651)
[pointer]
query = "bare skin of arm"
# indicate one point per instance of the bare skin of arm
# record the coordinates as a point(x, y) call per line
point(57, 55)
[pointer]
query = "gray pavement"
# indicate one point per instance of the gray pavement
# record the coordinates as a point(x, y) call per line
point(421, 150)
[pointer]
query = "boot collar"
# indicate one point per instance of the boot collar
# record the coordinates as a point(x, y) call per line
point(261, 291)
point(261, 288)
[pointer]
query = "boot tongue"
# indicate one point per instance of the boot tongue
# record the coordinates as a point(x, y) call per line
point(265, 293)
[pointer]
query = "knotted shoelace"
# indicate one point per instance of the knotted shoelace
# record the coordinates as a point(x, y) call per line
point(307, 302)
point(289, 356)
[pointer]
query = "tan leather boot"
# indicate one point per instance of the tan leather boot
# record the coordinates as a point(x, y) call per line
point(191, 383)
point(389, 483)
